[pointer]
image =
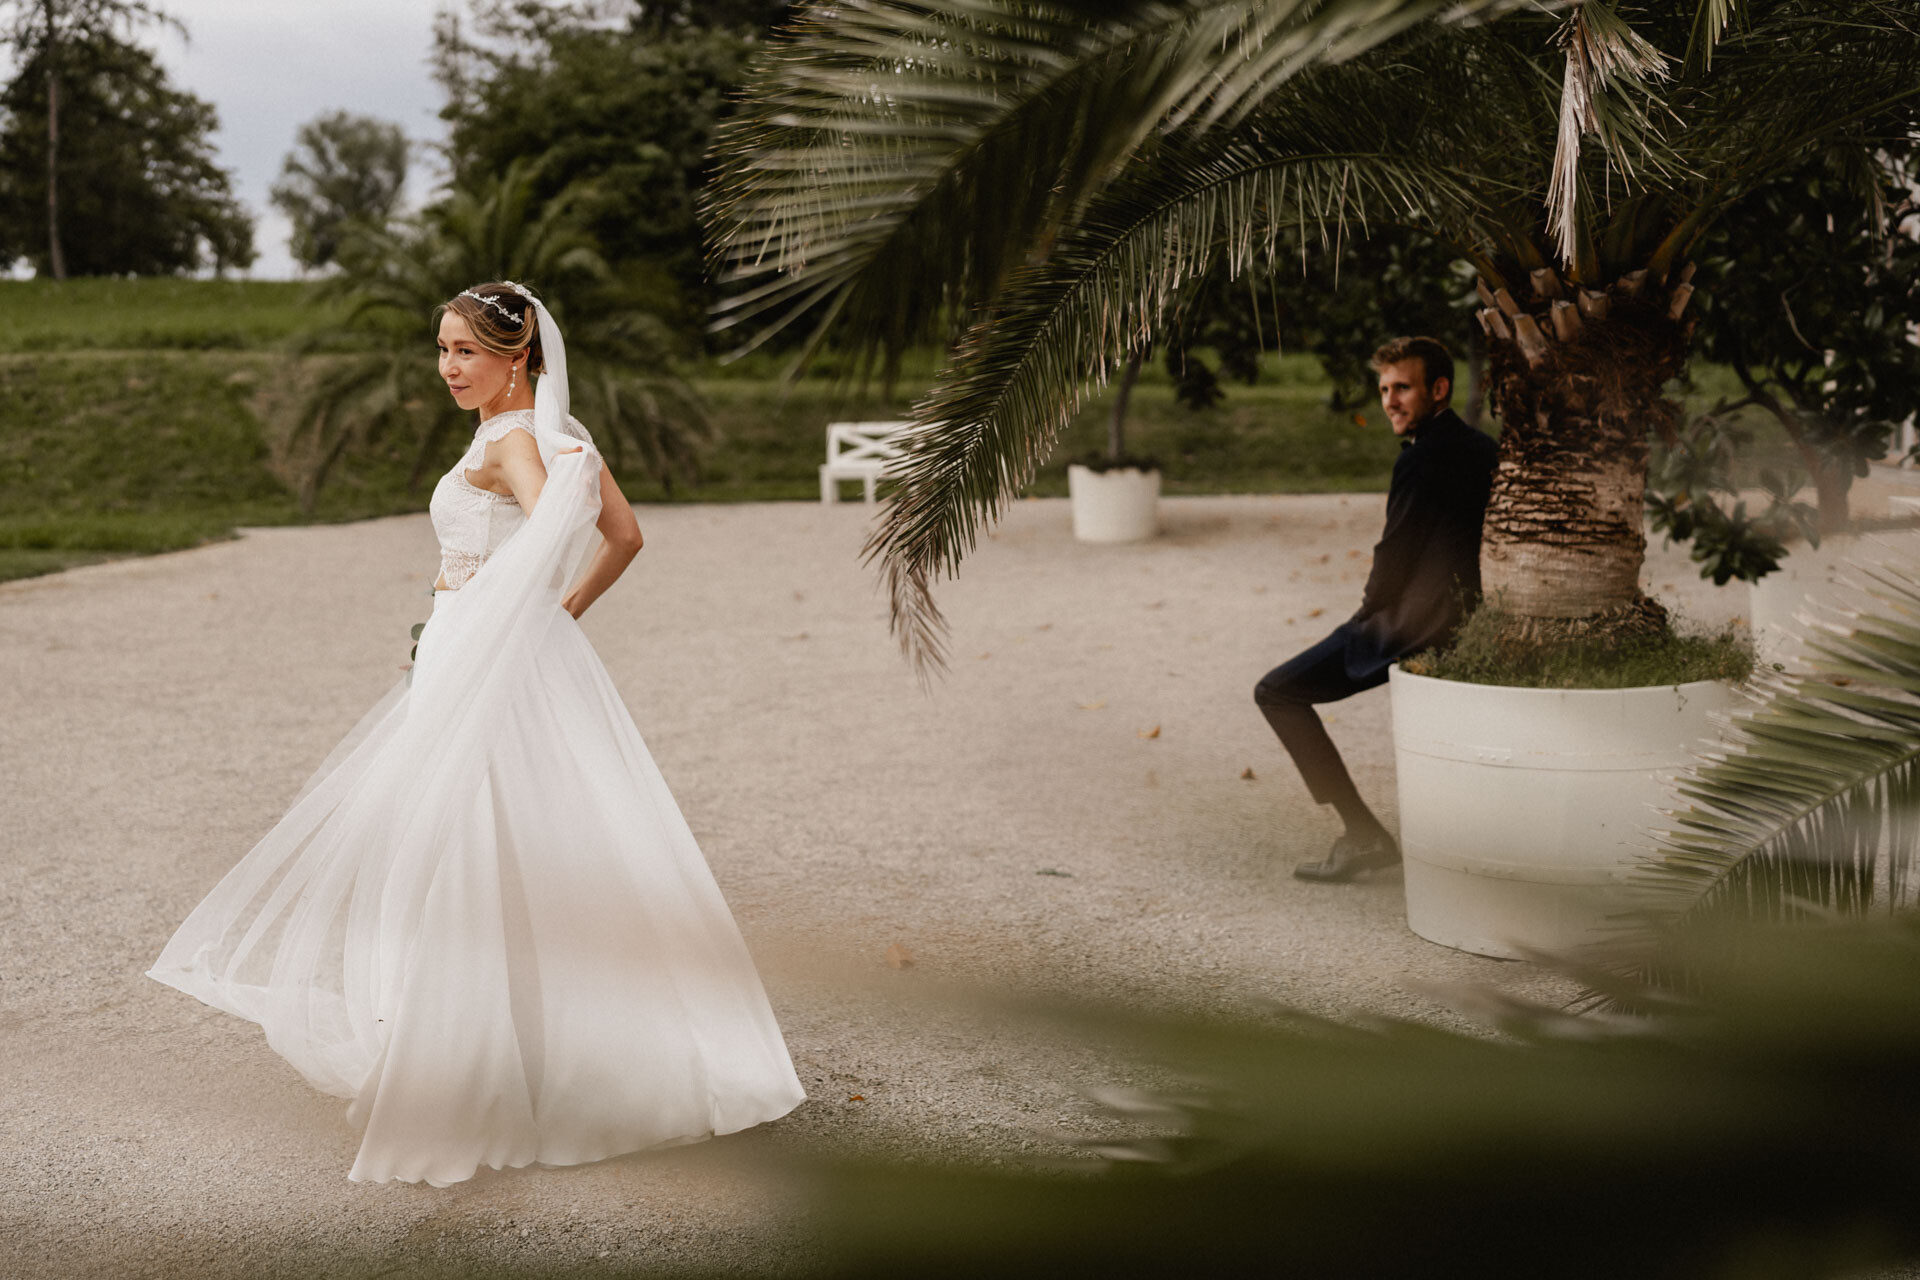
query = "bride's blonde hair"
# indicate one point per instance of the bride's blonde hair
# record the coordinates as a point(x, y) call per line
point(502, 321)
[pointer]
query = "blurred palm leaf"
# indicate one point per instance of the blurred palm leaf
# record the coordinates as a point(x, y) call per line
point(1814, 796)
point(1760, 1129)
point(379, 378)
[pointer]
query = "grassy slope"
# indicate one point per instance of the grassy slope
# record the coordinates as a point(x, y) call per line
point(134, 417)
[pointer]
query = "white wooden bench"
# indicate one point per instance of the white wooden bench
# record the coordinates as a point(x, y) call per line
point(860, 451)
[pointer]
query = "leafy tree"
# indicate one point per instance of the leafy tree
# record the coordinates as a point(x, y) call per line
point(380, 384)
point(139, 190)
point(40, 33)
point(345, 171)
point(1052, 173)
point(628, 101)
point(1813, 294)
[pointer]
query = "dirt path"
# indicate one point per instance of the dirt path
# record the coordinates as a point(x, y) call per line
point(1019, 827)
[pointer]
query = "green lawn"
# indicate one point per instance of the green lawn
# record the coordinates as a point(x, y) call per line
point(116, 314)
point(148, 415)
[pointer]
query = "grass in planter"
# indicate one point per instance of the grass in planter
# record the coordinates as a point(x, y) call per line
point(1485, 652)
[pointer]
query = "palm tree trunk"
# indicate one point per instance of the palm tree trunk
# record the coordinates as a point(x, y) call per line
point(1563, 540)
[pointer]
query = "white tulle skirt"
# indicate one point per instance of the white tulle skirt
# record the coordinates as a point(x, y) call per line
point(486, 923)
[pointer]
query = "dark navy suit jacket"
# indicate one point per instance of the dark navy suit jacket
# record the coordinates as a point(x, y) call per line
point(1426, 566)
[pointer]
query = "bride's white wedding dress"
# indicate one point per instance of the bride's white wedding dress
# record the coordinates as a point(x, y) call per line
point(485, 920)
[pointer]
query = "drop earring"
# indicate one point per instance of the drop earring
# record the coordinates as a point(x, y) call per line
point(513, 373)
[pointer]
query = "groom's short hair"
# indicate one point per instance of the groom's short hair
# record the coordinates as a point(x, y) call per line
point(1435, 360)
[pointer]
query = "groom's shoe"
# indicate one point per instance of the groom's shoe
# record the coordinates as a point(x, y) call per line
point(1350, 856)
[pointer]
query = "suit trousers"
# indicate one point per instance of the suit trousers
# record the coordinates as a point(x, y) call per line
point(1333, 669)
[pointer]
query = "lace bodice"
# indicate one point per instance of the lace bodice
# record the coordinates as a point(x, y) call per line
point(472, 523)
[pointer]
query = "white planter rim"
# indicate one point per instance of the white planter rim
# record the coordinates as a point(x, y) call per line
point(1086, 470)
point(1399, 672)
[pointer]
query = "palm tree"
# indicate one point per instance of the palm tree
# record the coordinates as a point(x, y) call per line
point(382, 379)
point(1042, 177)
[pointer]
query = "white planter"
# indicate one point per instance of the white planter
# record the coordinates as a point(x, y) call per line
point(1114, 506)
point(1522, 810)
point(1809, 581)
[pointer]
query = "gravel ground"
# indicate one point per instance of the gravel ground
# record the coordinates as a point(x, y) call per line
point(1066, 812)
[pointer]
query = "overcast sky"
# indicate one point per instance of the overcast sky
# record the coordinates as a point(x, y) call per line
point(269, 66)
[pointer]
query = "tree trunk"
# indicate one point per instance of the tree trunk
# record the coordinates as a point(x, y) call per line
point(1117, 425)
point(1564, 535)
point(1832, 484)
point(56, 259)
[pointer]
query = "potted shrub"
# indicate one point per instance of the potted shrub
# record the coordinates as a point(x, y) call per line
point(1115, 496)
point(1058, 177)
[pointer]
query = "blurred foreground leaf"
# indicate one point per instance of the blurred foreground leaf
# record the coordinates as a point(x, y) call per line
point(1766, 1126)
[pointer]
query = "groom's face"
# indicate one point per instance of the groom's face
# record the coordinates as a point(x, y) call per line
point(1406, 395)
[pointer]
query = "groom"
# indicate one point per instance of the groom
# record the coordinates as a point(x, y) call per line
point(1426, 566)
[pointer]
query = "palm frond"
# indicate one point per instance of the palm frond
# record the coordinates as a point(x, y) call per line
point(1065, 324)
point(894, 162)
point(1809, 793)
point(1606, 91)
point(1789, 82)
point(1710, 21)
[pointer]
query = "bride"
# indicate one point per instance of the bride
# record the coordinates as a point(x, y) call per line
point(485, 921)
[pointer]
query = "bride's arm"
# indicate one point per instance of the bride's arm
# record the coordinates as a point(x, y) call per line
point(620, 543)
point(517, 462)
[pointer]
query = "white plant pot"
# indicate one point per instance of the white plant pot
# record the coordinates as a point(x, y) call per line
point(1810, 581)
point(1522, 811)
point(1114, 506)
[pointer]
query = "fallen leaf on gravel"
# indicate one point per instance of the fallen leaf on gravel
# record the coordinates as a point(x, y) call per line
point(1353, 555)
point(1045, 626)
point(898, 957)
point(1289, 621)
point(1259, 591)
point(1314, 613)
point(856, 1097)
point(1156, 604)
point(798, 635)
point(1050, 871)
point(982, 657)
point(1323, 559)
point(1149, 733)
point(1092, 706)
point(1246, 775)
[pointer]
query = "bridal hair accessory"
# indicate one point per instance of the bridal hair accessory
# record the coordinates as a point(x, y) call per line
point(519, 322)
